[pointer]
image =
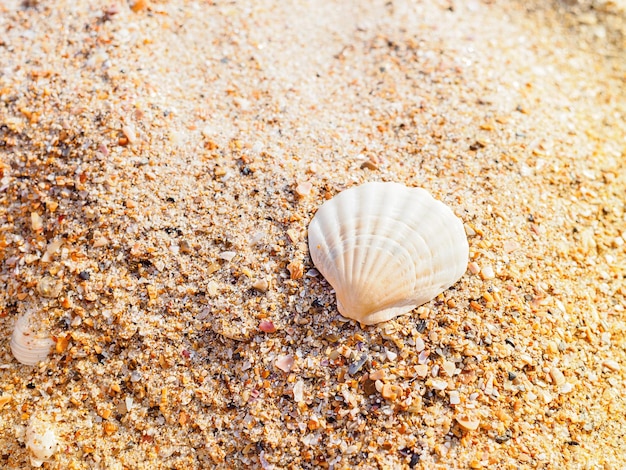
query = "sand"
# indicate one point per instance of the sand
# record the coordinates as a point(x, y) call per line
point(160, 163)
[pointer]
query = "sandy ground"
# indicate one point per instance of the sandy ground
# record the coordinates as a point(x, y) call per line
point(155, 161)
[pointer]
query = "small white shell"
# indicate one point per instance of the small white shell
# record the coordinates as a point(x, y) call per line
point(41, 441)
point(27, 346)
point(386, 249)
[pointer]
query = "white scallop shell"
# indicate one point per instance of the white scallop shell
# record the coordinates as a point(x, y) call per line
point(386, 249)
point(27, 346)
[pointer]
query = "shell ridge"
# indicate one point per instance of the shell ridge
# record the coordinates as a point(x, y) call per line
point(386, 249)
point(363, 225)
point(365, 271)
point(324, 253)
point(395, 232)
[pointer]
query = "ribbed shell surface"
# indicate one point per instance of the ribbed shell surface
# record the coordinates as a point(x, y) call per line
point(27, 346)
point(386, 249)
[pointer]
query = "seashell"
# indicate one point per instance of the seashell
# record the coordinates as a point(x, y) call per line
point(29, 347)
point(386, 249)
point(41, 441)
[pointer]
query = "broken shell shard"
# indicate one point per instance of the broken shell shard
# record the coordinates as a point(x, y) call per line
point(386, 249)
point(29, 347)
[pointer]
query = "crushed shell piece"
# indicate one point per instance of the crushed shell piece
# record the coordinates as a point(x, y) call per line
point(468, 423)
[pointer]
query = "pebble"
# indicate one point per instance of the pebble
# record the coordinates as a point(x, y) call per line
point(285, 363)
point(449, 368)
point(212, 288)
point(303, 189)
point(557, 376)
point(439, 384)
point(185, 247)
point(510, 246)
point(4, 399)
point(487, 272)
point(369, 164)
point(455, 398)
point(100, 241)
point(611, 364)
point(130, 133)
point(293, 235)
point(36, 221)
point(356, 366)
point(267, 326)
point(421, 370)
point(298, 391)
point(227, 256)
point(51, 249)
point(419, 344)
point(526, 359)
point(391, 392)
point(261, 285)
point(473, 267)
point(377, 375)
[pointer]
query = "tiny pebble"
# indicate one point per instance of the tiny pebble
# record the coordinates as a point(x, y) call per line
point(438, 384)
point(510, 246)
point(611, 364)
point(455, 398)
point(267, 326)
point(473, 267)
point(227, 255)
point(261, 285)
point(36, 221)
point(391, 392)
point(285, 363)
point(100, 242)
point(419, 345)
point(356, 366)
point(423, 357)
point(49, 287)
point(377, 375)
point(487, 272)
point(303, 189)
point(449, 368)
point(557, 376)
point(293, 235)
point(298, 391)
point(421, 370)
point(212, 288)
point(130, 133)
point(526, 359)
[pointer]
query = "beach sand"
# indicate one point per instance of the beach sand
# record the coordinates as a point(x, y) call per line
point(160, 163)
